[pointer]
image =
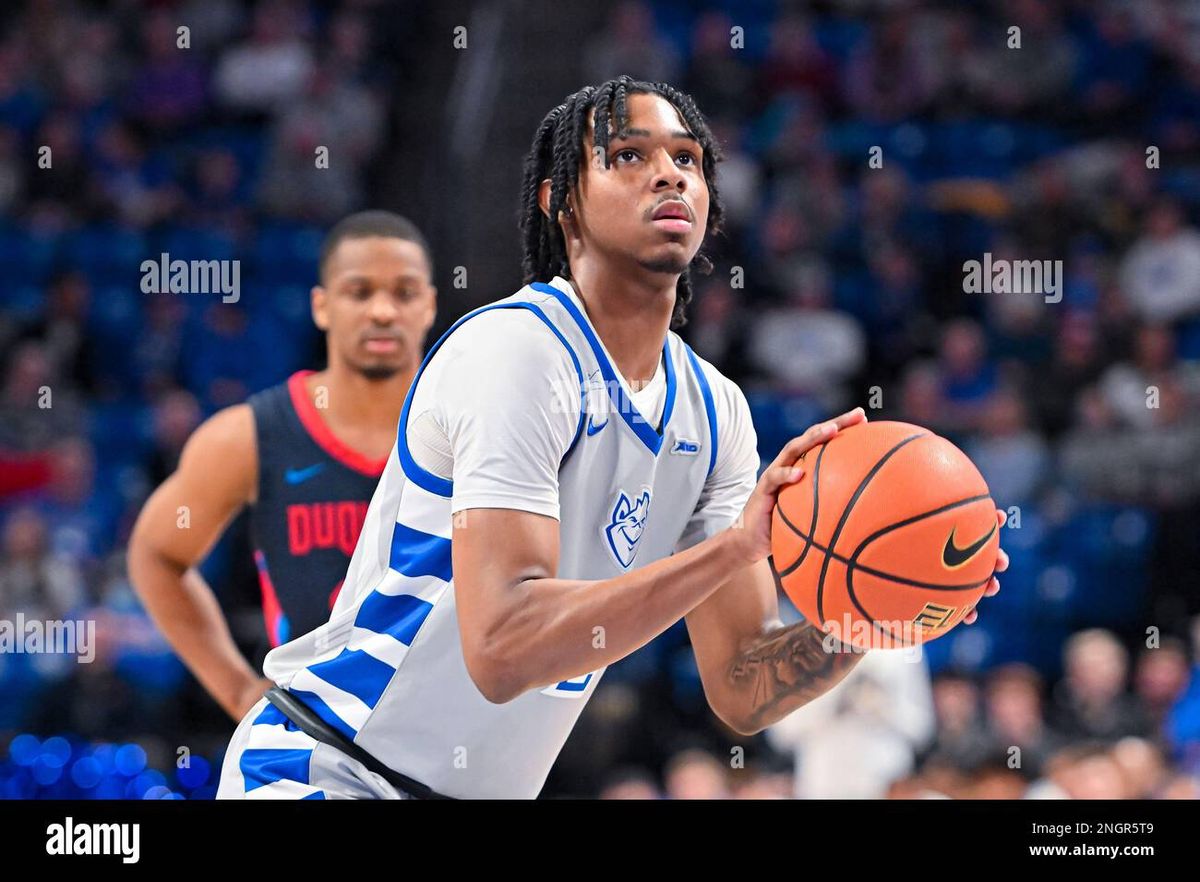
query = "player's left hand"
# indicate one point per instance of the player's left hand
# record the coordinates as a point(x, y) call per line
point(1001, 565)
point(753, 527)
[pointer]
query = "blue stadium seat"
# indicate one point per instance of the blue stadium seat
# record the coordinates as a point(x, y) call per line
point(24, 302)
point(839, 37)
point(120, 431)
point(196, 243)
point(116, 309)
point(288, 303)
point(26, 255)
point(108, 253)
point(778, 418)
point(1106, 548)
point(1188, 339)
point(286, 253)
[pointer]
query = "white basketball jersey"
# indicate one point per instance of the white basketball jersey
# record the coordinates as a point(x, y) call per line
point(387, 670)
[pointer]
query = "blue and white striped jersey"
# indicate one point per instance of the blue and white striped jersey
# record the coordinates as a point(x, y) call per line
point(387, 669)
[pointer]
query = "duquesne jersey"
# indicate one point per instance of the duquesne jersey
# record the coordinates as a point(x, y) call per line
point(311, 504)
point(387, 669)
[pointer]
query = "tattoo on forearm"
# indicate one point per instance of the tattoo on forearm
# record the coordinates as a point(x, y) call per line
point(788, 667)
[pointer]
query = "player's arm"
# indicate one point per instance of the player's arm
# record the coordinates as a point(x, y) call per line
point(178, 525)
point(756, 670)
point(523, 628)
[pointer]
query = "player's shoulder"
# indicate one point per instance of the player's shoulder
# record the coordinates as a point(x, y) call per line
point(503, 317)
point(223, 449)
point(504, 341)
point(274, 403)
point(271, 393)
point(229, 428)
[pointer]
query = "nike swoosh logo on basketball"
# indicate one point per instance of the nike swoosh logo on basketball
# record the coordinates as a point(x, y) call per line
point(592, 429)
point(299, 476)
point(953, 556)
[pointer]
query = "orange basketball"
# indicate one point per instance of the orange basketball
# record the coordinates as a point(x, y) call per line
point(889, 537)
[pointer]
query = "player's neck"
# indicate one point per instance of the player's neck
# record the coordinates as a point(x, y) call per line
point(352, 399)
point(631, 313)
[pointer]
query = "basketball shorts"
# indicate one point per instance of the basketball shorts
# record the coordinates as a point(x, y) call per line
point(270, 758)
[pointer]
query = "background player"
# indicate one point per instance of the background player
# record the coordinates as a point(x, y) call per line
point(495, 578)
point(305, 455)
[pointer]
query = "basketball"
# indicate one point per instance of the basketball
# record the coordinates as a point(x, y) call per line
point(888, 539)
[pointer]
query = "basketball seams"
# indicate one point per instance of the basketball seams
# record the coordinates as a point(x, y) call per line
point(847, 526)
point(870, 475)
point(812, 529)
point(949, 506)
point(881, 574)
point(853, 564)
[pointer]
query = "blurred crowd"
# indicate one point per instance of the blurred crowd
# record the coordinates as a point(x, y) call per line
point(872, 150)
point(199, 143)
point(1108, 729)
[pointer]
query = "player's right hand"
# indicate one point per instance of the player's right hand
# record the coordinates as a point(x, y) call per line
point(753, 528)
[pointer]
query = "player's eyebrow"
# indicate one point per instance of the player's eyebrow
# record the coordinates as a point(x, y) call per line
point(406, 276)
point(646, 133)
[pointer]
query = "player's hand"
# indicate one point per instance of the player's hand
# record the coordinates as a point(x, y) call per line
point(1001, 565)
point(753, 529)
point(249, 696)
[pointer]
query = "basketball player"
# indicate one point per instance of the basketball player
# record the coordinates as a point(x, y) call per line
point(569, 479)
point(304, 455)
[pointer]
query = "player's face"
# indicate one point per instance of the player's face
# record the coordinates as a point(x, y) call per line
point(376, 304)
point(651, 203)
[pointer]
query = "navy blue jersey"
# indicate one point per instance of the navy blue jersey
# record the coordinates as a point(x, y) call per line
point(313, 493)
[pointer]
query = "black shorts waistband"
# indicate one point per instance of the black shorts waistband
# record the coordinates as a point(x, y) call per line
point(311, 724)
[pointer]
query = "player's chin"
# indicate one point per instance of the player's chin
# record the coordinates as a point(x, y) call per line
point(671, 257)
point(375, 367)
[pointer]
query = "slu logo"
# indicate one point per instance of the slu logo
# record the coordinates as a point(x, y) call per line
point(625, 526)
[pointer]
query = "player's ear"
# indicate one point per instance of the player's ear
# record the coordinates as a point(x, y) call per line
point(319, 304)
point(431, 315)
point(544, 197)
point(568, 217)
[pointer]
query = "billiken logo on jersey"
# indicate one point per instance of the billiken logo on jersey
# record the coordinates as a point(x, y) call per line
point(625, 526)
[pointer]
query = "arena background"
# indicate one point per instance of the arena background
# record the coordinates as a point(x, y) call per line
point(874, 148)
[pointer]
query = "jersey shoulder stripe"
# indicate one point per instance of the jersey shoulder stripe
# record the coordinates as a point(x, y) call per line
point(710, 407)
point(443, 486)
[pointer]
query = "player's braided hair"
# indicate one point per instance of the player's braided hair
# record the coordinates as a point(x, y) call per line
point(557, 152)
